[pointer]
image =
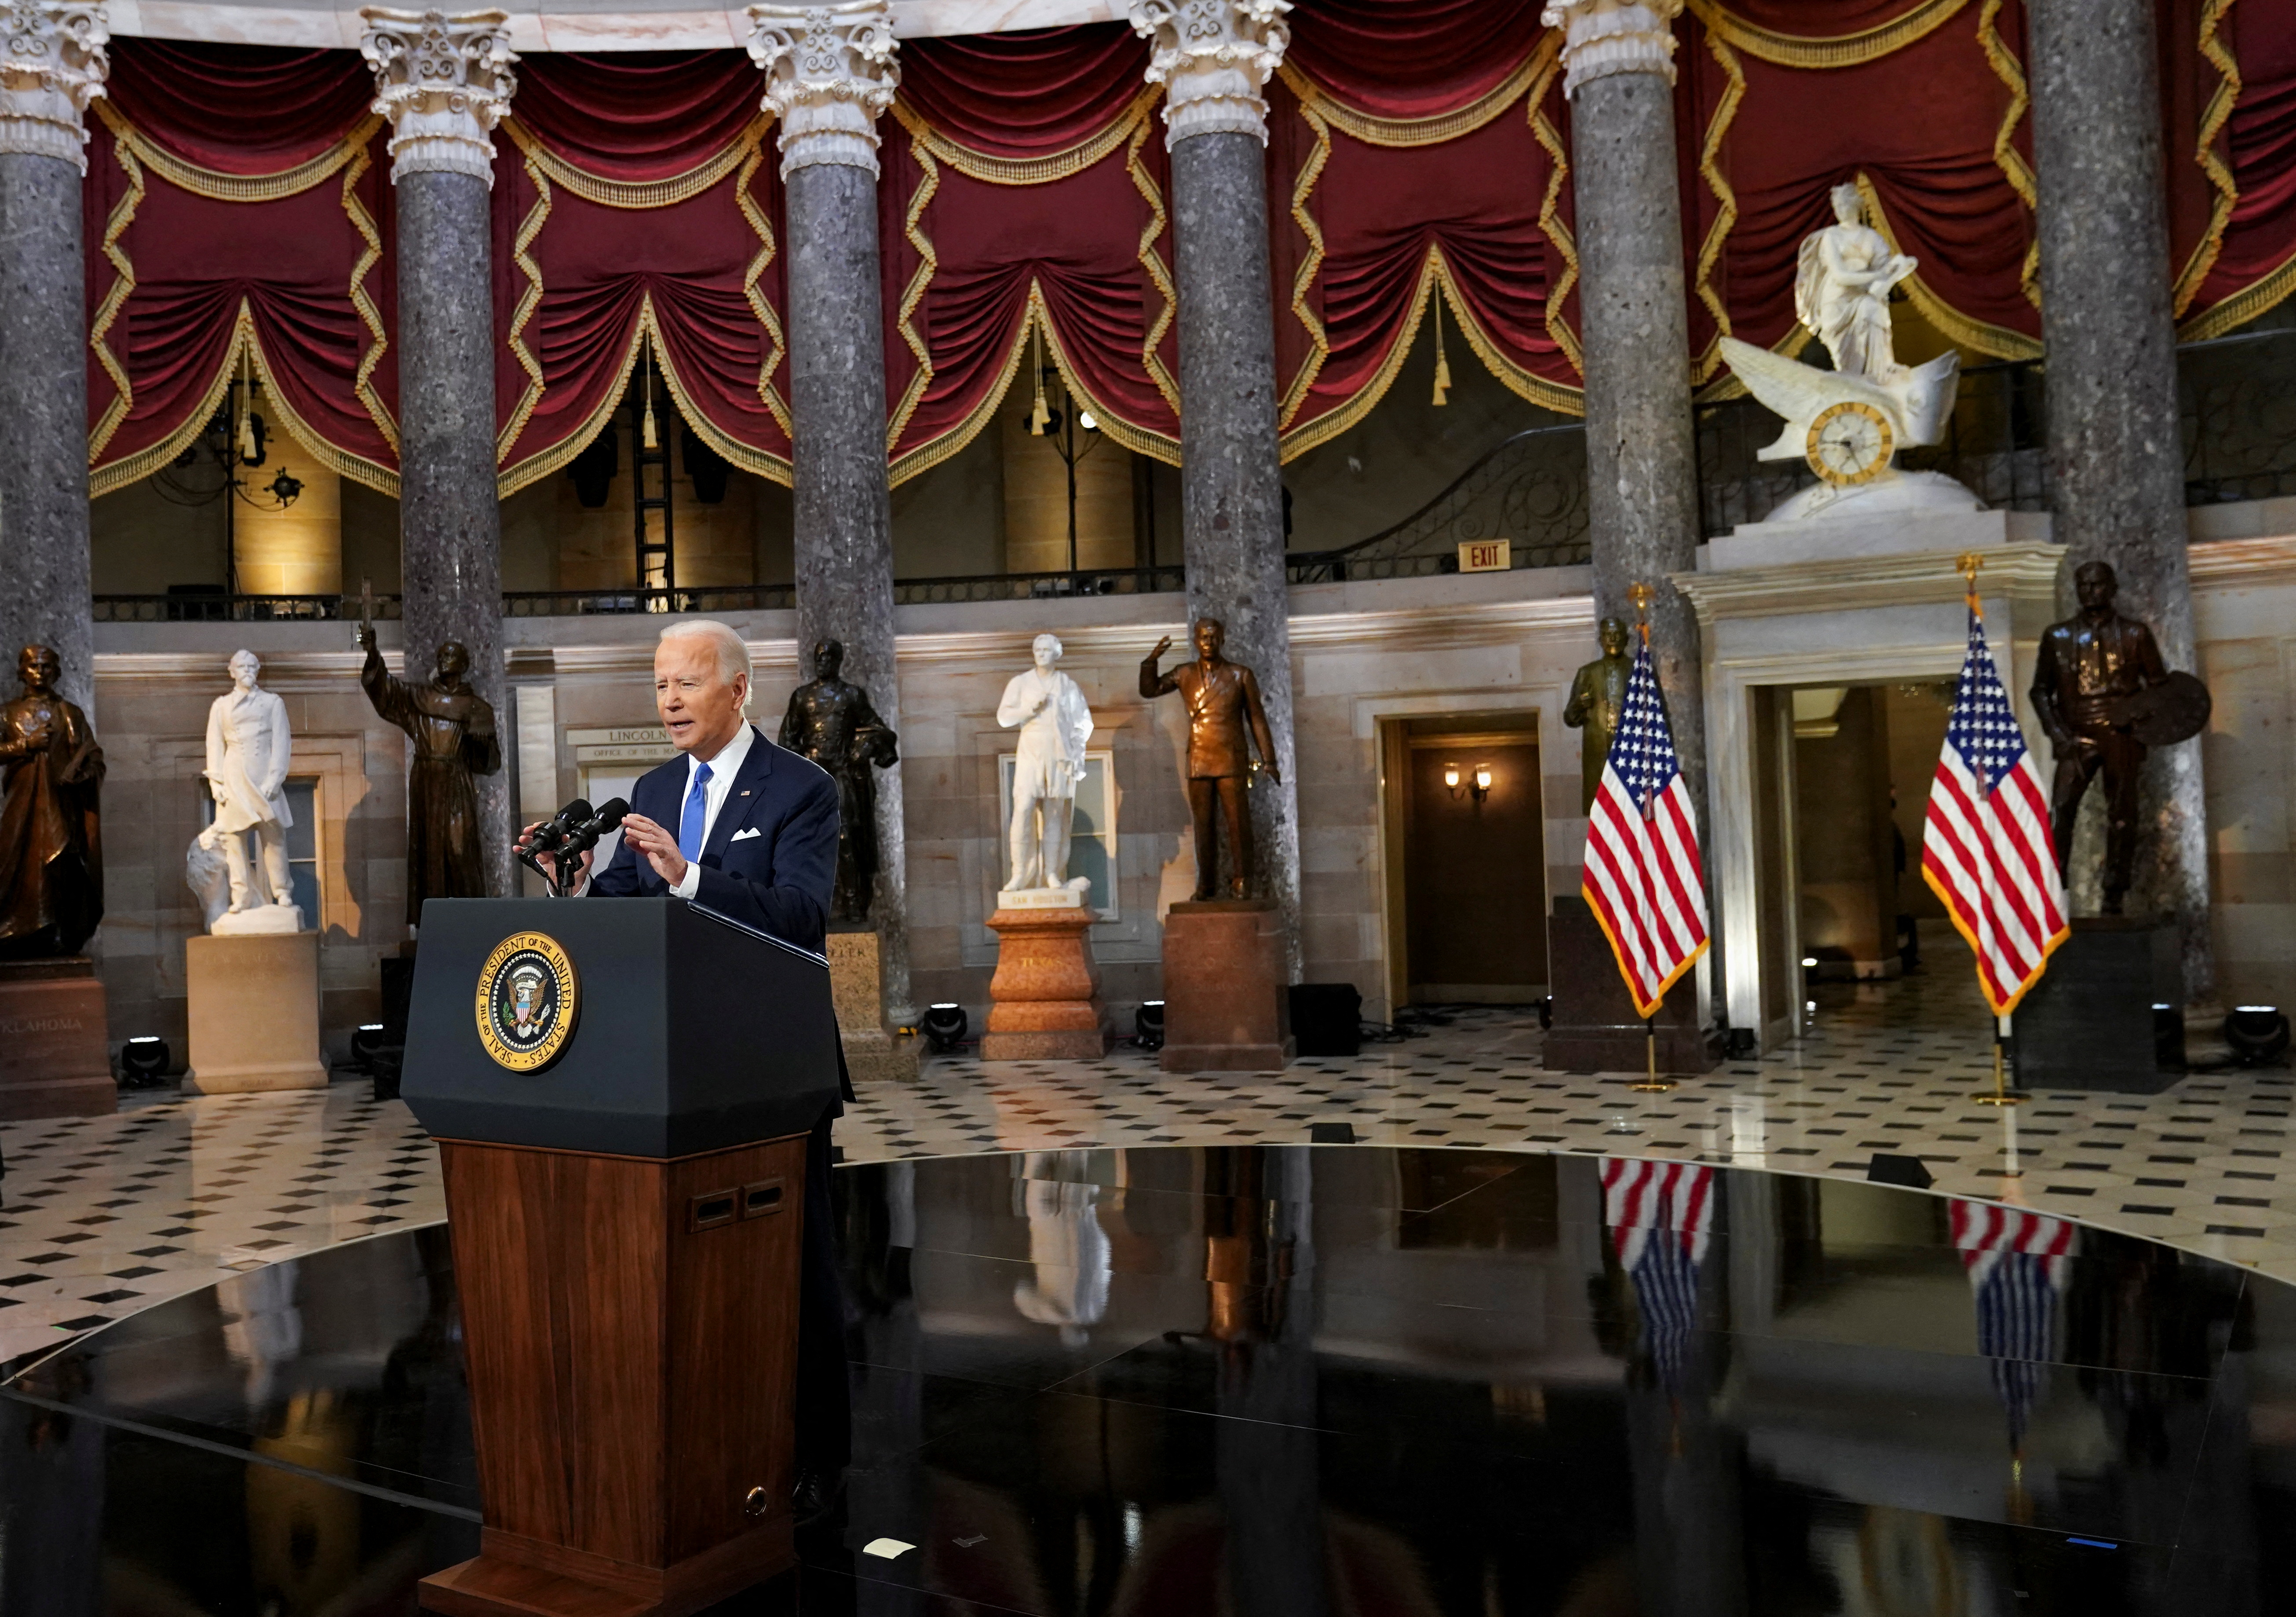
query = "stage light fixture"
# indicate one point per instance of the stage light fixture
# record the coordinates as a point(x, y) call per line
point(1148, 1025)
point(1088, 421)
point(367, 1040)
point(143, 1062)
point(2257, 1033)
point(945, 1026)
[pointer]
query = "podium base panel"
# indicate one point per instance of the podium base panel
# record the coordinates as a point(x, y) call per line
point(516, 1577)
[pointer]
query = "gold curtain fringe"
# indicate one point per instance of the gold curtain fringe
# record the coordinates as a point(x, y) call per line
point(773, 468)
point(529, 301)
point(370, 316)
point(778, 347)
point(341, 462)
point(1555, 395)
point(2006, 157)
point(2213, 118)
point(913, 294)
point(190, 177)
point(1027, 170)
point(930, 453)
point(123, 284)
point(1550, 215)
point(2231, 314)
point(1159, 276)
point(1966, 331)
point(1375, 130)
point(1710, 251)
point(609, 193)
point(1825, 51)
point(1138, 439)
point(561, 454)
point(1319, 347)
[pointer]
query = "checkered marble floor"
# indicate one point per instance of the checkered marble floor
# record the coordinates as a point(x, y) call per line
point(100, 1216)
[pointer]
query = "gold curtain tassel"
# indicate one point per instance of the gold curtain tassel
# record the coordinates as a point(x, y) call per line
point(1442, 359)
point(1039, 417)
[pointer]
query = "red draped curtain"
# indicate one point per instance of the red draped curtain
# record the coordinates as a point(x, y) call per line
point(239, 218)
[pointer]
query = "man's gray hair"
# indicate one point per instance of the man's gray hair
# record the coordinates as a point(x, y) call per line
point(733, 651)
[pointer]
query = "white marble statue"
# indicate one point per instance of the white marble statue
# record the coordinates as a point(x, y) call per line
point(1848, 422)
point(1055, 725)
point(249, 750)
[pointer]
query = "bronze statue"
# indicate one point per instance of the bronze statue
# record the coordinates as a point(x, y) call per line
point(51, 857)
point(2103, 694)
point(1223, 698)
point(830, 722)
point(453, 729)
point(1598, 691)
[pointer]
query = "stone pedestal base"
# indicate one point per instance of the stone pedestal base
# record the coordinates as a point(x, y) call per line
point(1594, 1026)
point(2088, 1023)
point(1224, 988)
point(1045, 999)
point(254, 1014)
point(54, 1061)
point(872, 1055)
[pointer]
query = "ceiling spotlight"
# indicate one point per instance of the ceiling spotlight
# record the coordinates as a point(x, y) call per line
point(1088, 421)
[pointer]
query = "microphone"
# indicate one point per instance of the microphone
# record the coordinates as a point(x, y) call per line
point(553, 833)
point(581, 838)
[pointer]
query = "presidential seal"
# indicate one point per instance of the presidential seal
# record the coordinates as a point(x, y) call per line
point(528, 998)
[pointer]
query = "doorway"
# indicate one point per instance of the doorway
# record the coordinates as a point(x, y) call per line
point(1467, 859)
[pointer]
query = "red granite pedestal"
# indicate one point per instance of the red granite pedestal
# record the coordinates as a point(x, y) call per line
point(1224, 988)
point(1044, 1000)
point(54, 1059)
point(1595, 1028)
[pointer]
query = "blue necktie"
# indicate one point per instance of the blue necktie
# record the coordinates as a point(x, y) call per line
point(691, 823)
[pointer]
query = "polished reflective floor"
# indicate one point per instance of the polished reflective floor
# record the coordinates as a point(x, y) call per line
point(1292, 1381)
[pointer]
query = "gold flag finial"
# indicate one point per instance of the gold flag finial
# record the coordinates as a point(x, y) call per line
point(1640, 596)
point(1967, 564)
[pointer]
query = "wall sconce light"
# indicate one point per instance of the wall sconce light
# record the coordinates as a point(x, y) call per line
point(1479, 786)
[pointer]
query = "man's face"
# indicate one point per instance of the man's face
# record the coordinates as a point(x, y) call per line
point(454, 661)
point(243, 669)
point(699, 707)
point(2095, 586)
point(37, 668)
point(1046, 650)
point(1207, 638)
point(828, 658)
point(1615, 638)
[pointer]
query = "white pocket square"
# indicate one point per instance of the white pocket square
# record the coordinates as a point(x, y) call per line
point(744, 836)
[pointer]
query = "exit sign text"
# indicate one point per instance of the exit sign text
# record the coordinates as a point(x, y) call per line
point(1486, 556)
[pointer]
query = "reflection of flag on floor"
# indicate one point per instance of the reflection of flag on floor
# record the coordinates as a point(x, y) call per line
point(1985, 846)
point(2018, 1263)
point(1642, 877)
point(1659, 1216)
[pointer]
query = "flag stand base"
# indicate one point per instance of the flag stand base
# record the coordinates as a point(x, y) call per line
point(1652, 1084)
point(2002, 1094)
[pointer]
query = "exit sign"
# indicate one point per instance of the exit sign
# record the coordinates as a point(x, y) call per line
point(1486, 556)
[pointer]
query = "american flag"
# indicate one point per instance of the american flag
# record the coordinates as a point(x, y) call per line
point(1642, 876)
point(1661, 1216)
point(2018, 1263)
point(1985, 847)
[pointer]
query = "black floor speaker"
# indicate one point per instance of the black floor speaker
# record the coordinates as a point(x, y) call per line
point(1327, 1018)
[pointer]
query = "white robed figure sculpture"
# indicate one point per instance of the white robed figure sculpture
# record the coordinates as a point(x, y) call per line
point(249, 750)
point(1055, 725)
point(1848, 422)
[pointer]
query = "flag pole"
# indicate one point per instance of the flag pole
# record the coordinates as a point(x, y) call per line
point(1639, 595)
point(1967, 564)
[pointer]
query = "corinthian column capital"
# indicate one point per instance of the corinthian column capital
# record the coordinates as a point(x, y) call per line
point(830, 70)
point(1213, 57)
point(444, 81)
point(53, 66)
point(1605, 37)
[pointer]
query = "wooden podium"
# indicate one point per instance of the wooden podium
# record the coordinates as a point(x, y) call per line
point(620, 1090)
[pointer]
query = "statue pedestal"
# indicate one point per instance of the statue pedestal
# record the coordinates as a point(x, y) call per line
point(254, 1012)
point(1595, 1028)
point(2088, 1023)
point(1044, 1000)
point(54, 1059)
point(856, 988)
point(1225, 1007)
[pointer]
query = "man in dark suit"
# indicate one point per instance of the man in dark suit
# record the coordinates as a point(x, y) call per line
point(748, 829)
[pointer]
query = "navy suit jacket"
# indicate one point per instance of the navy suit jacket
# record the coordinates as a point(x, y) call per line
point(779, 880)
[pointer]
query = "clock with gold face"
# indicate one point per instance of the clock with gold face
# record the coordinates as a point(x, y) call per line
point(1848, 443)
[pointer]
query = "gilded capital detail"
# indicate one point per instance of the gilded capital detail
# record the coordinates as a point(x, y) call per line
point(1213, 57)
point(53, 66)
point(1605, 37)
point(830, 70)
point(444, 80)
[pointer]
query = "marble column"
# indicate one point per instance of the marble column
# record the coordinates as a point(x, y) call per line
point(1642, 455)
point(1213, 58)
point(444, 80)
point(829, 71)
point(2116, 454)
point(52, 65)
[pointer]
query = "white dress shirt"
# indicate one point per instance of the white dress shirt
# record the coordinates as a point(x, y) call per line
point(723, 768)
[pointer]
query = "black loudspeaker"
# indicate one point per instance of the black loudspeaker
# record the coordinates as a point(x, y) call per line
point(1888, 1169)
point(1327, 1018)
